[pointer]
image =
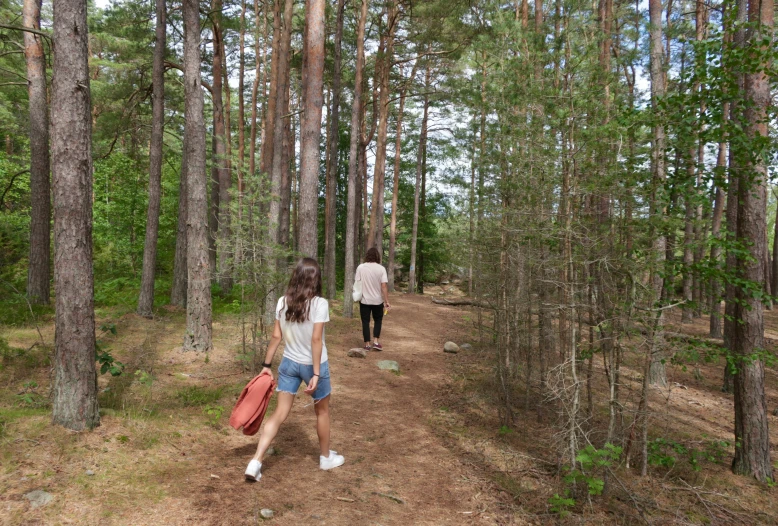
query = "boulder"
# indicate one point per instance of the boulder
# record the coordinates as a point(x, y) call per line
point(39, 498)
point(266, 513)
point(389, 365)
point(450, 347)
point(357, 353)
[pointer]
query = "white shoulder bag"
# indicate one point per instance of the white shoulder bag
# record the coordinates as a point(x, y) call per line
point(356, 293)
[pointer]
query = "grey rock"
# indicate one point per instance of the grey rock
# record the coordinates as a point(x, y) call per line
point(389, 365)
point(266, 513)
point(357, 353)
point(465, 347)
point(450, 347)
point(270, 451)
point(89, 473)
point(39, 498)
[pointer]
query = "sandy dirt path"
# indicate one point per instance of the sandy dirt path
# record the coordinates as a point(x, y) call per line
point(381, 423)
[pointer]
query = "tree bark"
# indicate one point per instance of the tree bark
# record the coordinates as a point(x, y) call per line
point(310, 127)
point(198, 308)
point(74, 404)
point(260, 76)
point(396, 182)
point(146, 298)
point(180, 281)
point(278, 132)
point(225, 186)
point(752, 454)
point(656, 370)
point(715, 251)
point(287, 172)
point(268, 122)
point(351, 204)
point(38, 270)
point(739, 41)
point(419, 173)
point(333, 137)
point(375, 235)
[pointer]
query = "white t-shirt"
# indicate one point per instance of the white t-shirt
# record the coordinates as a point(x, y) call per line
point(371, 275)
point(297, 336)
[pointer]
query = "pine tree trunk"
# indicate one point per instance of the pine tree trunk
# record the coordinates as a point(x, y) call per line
point(180, 282)
point(375, 235)
point(38, 270)
point(396, 185)
point(278, 131)
point(287, 173)
point(418, 190)
point(241, 102)
point(268, 123)
point(351, 203)
point(198, 305)
point(218, 149)
point(656, 370)
point(74, 403)
point(715, 251)
point(310, 127)
point(146, 298)
point(333, 137)
point(736, 114)
point(260, 76)
point(752, 454)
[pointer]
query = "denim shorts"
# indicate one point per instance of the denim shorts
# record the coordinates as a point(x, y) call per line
point(292, 374)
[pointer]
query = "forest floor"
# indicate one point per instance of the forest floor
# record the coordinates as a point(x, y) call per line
point(425, 446)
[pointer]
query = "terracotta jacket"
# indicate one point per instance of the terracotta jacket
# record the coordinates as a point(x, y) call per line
point(249, 411)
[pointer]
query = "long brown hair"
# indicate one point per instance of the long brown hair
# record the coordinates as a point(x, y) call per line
point(373, 256)
point(304, 285)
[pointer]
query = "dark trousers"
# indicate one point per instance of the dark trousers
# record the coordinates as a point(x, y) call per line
point(378, 316)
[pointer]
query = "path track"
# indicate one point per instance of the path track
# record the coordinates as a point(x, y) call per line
point(381, 423)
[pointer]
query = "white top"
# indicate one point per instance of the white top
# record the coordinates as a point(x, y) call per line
point(371, 275)
point(297, 336)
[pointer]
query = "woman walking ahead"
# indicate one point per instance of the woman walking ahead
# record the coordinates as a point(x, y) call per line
point(300, 317)
point(375, 296)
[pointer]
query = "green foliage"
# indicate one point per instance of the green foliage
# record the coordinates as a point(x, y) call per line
point(591, 466)
point(107, 363)
point(666, 453)
point(194, 395)
point(213, 413)
point(561, 505)
point(144, 377)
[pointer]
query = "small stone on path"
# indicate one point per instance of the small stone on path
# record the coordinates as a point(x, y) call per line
point(389, 365)
point(466, 347)
point(89, 473)
point(266, 513)
point(39, 498)
point(450, 347)
point(357, 353)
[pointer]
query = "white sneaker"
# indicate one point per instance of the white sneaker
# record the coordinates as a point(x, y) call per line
point(252, 471)
point(333, 461)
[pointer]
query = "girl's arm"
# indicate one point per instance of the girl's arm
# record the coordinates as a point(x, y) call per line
point(316, 345)
point(275, 340)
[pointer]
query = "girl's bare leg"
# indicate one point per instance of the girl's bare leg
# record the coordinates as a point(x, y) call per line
point(322, 408)
point(284, 406)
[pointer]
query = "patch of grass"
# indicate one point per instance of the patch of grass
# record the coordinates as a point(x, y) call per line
point(15, 312)
point(24, 359)
point(195, 396)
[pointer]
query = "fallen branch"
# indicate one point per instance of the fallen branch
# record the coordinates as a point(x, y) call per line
point(462, 302)
point(398, 500)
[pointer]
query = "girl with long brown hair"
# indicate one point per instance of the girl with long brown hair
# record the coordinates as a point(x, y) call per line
point(300, 317)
